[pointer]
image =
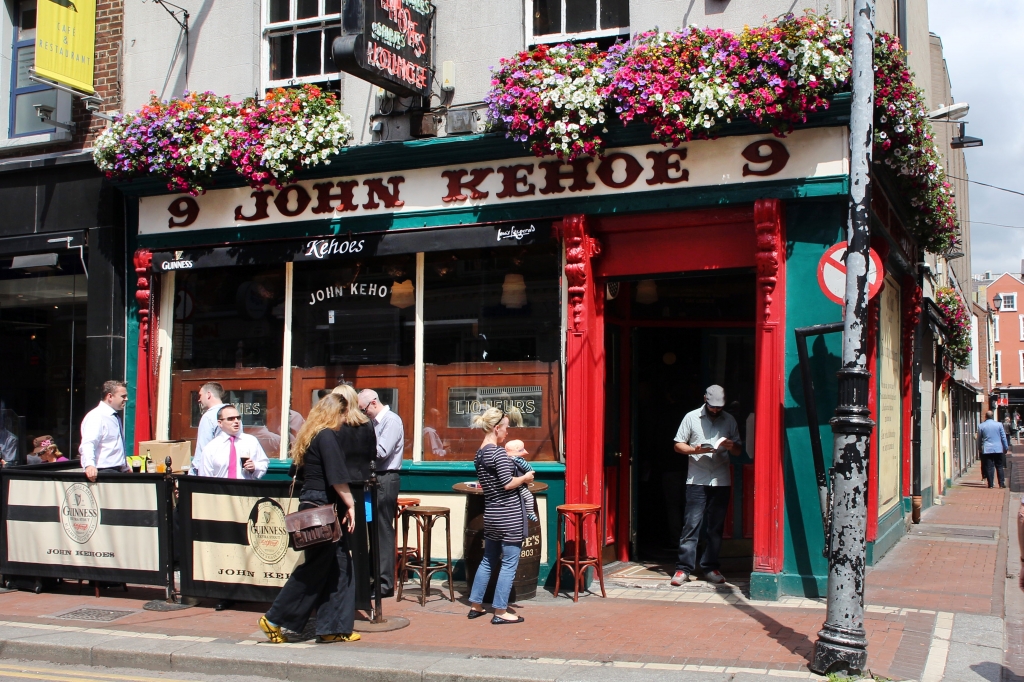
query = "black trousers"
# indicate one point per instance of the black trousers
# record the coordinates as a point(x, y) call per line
point(997, 461)
point(323, 582)
point(384, 517)
point(703, 503)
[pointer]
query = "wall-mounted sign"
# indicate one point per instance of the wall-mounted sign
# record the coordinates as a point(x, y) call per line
point(353, 248)
point(66, 42)
point(388, 43)
point(521, 403)
point(812, 153)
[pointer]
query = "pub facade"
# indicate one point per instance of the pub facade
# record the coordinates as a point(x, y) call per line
point(448, 269)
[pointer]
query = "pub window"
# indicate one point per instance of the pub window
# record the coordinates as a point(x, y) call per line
point(491, 337)
point(560, 20)
point(229, 328)
point(298, 36)
point(354, 322)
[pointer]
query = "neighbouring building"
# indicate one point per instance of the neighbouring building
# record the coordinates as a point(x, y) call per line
point(62, 242)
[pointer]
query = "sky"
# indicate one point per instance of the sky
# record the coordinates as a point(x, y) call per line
point(984, 53)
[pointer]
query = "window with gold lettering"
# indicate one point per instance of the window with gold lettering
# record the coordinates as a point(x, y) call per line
point(491, 337)
point(229, 329)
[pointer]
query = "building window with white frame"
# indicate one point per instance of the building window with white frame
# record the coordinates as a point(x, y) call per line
point(1009, 303)
point(297, 41)
point(999, 367)
point(995, 327)
point(560, 20)
point(1020, 363)
point(1020, 322)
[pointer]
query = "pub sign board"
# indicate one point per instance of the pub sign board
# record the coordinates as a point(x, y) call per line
point(388, 43)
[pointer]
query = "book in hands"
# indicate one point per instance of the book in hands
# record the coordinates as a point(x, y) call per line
point(716, 443)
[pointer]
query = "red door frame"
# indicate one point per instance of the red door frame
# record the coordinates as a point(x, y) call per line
point(707, 239)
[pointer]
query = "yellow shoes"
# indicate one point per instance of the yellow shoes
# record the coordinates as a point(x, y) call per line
point(340, 637)
point(273, 632)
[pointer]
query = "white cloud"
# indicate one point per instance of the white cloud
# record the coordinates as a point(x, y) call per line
point(984, 54)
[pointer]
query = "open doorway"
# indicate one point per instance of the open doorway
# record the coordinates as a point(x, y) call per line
point(668, 338)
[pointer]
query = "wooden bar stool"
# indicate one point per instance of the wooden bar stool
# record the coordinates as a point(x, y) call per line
point(425, 517)
point(400, 551)
point(575, 556)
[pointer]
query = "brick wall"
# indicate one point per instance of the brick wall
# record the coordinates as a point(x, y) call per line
point(106, 80)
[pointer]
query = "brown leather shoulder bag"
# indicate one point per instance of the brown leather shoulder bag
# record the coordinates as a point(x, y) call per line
point(314, 526)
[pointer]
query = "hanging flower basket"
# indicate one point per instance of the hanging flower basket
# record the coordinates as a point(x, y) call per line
point(184, 141)
point(903, 143)
point(550, 98)
point(292, 129)
point(958, 326)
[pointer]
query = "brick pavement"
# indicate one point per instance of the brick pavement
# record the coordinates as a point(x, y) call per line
point(919, 577)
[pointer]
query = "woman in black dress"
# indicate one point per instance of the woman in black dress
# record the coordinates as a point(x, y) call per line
point(504, 517)
point(335, 432)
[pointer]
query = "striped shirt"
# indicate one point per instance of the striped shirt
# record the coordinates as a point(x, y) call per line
point(504, 513)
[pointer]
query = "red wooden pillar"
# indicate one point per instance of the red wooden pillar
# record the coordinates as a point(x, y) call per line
point(584, 371)
point(911, 317)
point(145, 386)
point(770, 330)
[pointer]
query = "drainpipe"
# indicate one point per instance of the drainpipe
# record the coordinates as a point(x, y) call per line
point(901, 22)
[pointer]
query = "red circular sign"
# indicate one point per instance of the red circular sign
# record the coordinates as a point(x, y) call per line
point(832, 274)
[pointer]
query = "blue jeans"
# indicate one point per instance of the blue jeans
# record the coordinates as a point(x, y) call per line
point(703, 502)
point(509, 553)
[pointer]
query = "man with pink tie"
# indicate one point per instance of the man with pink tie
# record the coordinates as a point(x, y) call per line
point(233, 454)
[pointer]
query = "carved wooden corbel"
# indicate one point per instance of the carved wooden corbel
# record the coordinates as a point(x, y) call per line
point(579, 249)
point(768, 228)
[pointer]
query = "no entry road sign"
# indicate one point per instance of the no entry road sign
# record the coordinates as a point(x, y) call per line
point(832, 273)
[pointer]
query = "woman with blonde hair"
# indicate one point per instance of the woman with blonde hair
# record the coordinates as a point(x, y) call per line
point(505, 522)
point(324, 581)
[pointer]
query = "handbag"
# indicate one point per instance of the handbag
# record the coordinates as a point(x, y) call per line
point(311, 527)
point(314, 526)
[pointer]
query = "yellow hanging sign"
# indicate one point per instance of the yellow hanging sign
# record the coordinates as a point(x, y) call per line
point(66, 41)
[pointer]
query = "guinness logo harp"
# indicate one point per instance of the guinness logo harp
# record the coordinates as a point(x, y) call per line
point(80, 513)
point(267, 535)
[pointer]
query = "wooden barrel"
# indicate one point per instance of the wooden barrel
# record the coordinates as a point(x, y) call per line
point(525, 584)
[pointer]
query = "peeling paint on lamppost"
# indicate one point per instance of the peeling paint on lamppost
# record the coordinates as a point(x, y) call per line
point(842, 642)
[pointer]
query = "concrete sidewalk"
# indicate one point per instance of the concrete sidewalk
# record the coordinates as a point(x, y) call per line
point(935, 611)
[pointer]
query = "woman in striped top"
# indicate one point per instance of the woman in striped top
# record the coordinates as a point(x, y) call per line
point(504, 517)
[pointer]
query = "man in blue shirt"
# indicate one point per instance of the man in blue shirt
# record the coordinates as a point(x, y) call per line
point(992, 446)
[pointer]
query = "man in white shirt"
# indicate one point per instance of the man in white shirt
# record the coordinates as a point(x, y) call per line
point(102, 447)
point(390, 447)
point(211, 397)
point(233, 454)
point(708, 435)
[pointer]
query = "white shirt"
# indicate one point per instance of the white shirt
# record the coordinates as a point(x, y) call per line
point(697, 428)
point(208, 430)
point(102, 441)
point(217, 456)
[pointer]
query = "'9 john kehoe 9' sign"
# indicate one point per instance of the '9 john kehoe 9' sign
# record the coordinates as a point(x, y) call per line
point(813, 153)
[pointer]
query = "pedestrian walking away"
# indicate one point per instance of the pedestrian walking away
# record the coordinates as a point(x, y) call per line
point(390, 432)
point(324, 580)
point(102, 430)
point(708, 436)
point(992, 447)
point(505, 521)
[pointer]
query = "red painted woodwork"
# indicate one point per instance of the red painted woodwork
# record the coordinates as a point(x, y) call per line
point(769, 492)
point(711, 239)
point(145, 380)
point(584, 370)
point(911, 317)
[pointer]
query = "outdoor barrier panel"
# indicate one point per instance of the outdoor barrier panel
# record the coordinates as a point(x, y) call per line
point(57, 524)
point(234, 541)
